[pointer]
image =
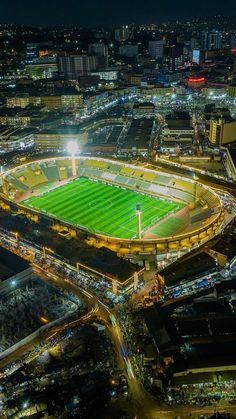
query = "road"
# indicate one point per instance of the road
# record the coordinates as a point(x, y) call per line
point(140, 404)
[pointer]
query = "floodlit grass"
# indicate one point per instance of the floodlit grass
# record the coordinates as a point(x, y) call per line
point(101, 207)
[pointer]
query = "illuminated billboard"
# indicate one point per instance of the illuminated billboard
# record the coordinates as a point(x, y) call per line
point(196, 56)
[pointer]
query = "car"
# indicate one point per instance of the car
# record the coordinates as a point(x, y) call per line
point(113, 393)
point(125, 390)
point(123, 380)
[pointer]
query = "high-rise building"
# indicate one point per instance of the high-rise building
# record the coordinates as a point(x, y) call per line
point(156, 48)
point(232, 90)
point(122, 34)
point(31, 53)
point(211, 40)
point(194, 44)
point(173, 56)
point(233, 40)
point(100, 50)
point(42, 67)
point(76, 65)
point(222, 132)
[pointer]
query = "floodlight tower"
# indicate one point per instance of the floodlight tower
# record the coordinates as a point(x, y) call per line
point(195, 188)
point(72, 148)
point(139, 213)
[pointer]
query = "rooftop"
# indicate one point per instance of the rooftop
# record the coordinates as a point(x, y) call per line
point(144, 105)
point(63, 129)
point(188, 267)
point(232, 152)
point(28, 111)
point(139, 134)
point(10, 264)
point(199, 333)
point(10, 131)
point(102, 260)
point(178, 124)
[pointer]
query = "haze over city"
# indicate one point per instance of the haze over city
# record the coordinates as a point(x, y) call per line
point(108, 13)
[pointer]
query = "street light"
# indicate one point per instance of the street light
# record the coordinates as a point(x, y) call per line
point(46, 249)
point(72, 148)
point(16, 234)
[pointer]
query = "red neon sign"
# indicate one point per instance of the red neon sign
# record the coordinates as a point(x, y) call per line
point(196, 79)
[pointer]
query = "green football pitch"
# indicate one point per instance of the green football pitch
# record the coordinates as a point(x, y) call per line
point(101, 207)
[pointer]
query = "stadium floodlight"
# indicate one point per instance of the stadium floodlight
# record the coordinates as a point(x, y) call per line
point(139, 213)
point(72, 148)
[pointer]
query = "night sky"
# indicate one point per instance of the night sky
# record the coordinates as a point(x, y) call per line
point(110, 12)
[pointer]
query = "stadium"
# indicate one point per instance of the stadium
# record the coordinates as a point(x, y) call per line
point(138, 212)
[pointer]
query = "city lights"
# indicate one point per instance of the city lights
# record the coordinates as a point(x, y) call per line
point(117, 210)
